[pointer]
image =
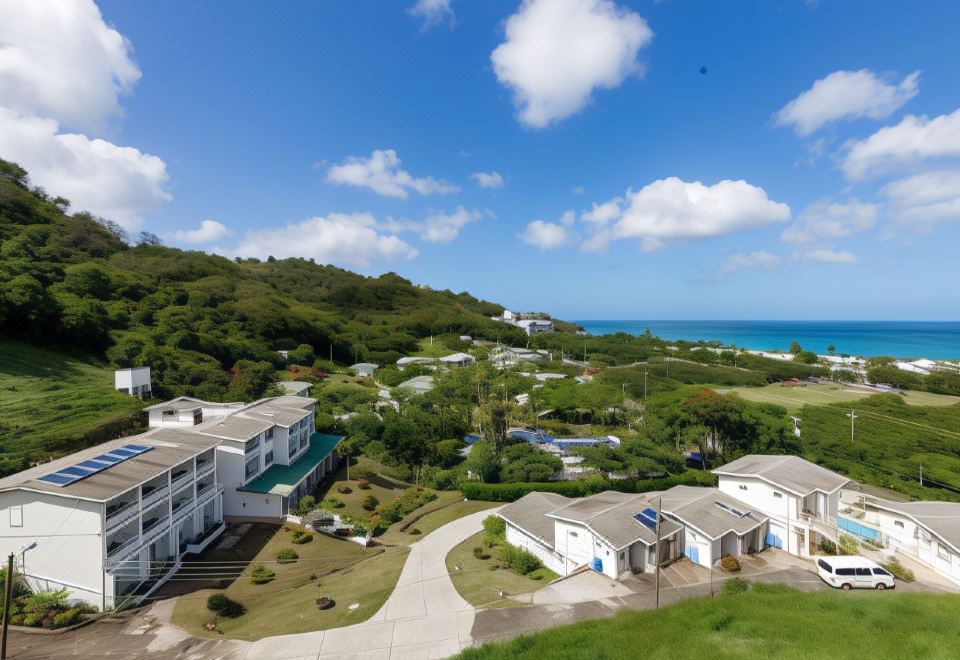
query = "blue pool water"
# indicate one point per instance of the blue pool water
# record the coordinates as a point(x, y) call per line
point(904, 339)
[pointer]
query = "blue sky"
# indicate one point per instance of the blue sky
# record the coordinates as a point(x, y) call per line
point(810, 172)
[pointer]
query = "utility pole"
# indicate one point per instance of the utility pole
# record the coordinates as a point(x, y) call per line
point(7, 602)
point(656, 552)
point(852, 417)
point(644, 384)
point(921, 474)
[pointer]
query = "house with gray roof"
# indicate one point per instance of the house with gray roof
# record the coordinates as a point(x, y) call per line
point(801, 498)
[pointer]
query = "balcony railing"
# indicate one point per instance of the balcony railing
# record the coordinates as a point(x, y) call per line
point(115, 548)
point(182, 507)
point(154, 496)
point(207, 489)
point(181, 480)
point(204, 468)
point(150, 528)
point(122, 515)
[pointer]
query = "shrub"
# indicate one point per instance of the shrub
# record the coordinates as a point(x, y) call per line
point(287, 556)
point(520, 560)
point(344, 490)
point(225, 606)
point(827, 547)
point(306, 505)
point(510, 492)
point(332, 503)
point(494, 527)
point(480, 554)
point(362, 474)
point(735, 586)
point(300, 536)
point(730, 564)
point(415, 531)
point(363, 484)
point(370, 503)
point(261, 574)
point(898, 570)
point(848, 545)
point(411, 500)
point(68, 618)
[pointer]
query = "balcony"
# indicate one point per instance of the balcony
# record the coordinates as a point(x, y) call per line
point(153, 494)
point(204, 468)
point(153, 526)
point(117, 547)
point(182, 507)
point(180, 479)
point(121, 513)
point(204, 491)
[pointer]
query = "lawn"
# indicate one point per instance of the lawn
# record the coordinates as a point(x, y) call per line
point(794, 398)
point(385, 489)
point(54, 403)
point(781, 624)
point(480, 581)
point(345, 571)
point(448, 506)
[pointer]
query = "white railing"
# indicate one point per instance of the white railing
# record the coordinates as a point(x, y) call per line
point(154, 497)
point(204, 493)
point(181, 481)
point(205, 469)
point(155, 528)
point(126, 545)
point(124, 515)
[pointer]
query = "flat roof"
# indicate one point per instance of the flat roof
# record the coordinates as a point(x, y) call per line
point(171, 446)
point(282, 479)
point(234, 427)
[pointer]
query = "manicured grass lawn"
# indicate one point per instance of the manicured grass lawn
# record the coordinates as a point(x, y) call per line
point(54, 403)
point(448, 506)
point(479, 581)
point(757, 625)
point(793, 398)
point(385, 489)
point(347, 572)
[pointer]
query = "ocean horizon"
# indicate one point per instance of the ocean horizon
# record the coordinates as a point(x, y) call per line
point(901, 339)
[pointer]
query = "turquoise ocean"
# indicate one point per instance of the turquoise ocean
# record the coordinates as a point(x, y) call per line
point(903, 339)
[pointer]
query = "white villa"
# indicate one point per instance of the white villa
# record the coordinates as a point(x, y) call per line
point(134, 381)
point(532, 324)
point(113, 520)
point(365, 369)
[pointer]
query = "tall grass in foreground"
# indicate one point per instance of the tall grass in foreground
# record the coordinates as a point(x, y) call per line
point(777, 623)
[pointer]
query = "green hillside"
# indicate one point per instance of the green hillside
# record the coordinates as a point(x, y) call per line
point(50, 402)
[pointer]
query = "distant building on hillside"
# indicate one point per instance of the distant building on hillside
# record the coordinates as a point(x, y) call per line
point(532, 323)
point(365, 369)
point(295, 387)
point(134, 381)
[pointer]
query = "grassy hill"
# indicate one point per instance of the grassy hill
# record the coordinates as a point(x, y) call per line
point(50, 402)
point(775, 623)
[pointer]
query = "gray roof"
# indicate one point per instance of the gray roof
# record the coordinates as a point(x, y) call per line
point(364, 365)
point(234, 427)
point(180, 403)
point(791, 473)
point(941, 518)
point(171, 446)
point(698, 507)
point(418, 384)
point(273, 413)
point(529, 513)
point(610, 515)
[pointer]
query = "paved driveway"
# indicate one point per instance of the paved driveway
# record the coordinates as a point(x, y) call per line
point(424, 617)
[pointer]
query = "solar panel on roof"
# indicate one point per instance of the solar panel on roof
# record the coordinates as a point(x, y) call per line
point(91, 466)
point(647, 518)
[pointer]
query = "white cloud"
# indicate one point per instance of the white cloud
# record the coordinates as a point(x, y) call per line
point(578, 190)
point(827, 256)
point(337, 238)
point(671, 210)
point(207, 232)
point(603, 213)
point(558, 51)
point(739, 260)
point(488, 180)
point(568, 218)
point(118, 183)
point(381, 173)
point(925, 198)
point(60, 60)
point(546, 235)
point(846, 95)
point(444, 227)
point(433, 13)
point(826, 219)
point(912, 140)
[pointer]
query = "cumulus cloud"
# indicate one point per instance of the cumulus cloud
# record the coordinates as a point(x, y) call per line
point(827, 256)
point(546, 235)
point(350, 239)
point(60, 60)
point(912, 140)
point(925, 198)
point(672, 210)
point(382, 174)
point(739, 260)
point(846, 95)
point(557, 52)
point(433, 13)
point(826, 220)
point(603, 213)
point(488, 179)
point(118, 183)
point(207, 232)
point(442, 227)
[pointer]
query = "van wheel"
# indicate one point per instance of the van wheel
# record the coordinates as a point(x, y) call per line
point(846, 586)
point(881, 586)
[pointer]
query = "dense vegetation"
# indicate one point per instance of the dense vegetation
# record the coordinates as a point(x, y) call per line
point(883, 370)
point(207, 326)
point(740, 625)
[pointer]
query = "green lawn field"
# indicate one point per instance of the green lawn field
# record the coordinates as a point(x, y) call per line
point(794, 398)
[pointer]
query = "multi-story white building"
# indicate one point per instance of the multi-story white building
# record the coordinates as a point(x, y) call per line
point(801, 498)
point(113, 521)
point(134, 381)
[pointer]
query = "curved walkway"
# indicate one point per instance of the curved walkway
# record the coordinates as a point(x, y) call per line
point(424, 617)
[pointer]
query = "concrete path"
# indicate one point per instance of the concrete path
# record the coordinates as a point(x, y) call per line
point(424, 617)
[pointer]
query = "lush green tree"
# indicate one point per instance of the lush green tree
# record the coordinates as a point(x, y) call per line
point(483, 461)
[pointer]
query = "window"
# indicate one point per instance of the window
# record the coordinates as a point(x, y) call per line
point(292, 445)
point(825, 566)
point(169, 413)
point(863, 571)
point(777, 495)
point(269, 433)
point(303, 440)
point(573, 534)
point(16, 516)
point(622, 556)
point(268, 459)
point(252, 466)
point(251, 445)
point(743, 487)
point(943, 553)
point(880, 571)
point(845, 571)
point(898, 523)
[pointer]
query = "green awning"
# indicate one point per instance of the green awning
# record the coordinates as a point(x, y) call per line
point(283, 479)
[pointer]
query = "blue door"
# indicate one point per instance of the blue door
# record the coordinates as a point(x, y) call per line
point(598, 564)
point(773, 540)
point(693, 553)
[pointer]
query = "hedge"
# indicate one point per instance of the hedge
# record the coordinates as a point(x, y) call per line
point(476, 490)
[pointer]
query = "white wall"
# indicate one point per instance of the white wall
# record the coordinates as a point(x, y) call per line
point(67, 532)
point(550, 558)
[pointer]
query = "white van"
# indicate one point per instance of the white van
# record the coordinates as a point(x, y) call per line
point(853, 572)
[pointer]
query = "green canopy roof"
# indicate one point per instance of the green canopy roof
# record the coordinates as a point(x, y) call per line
point(283, 479)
